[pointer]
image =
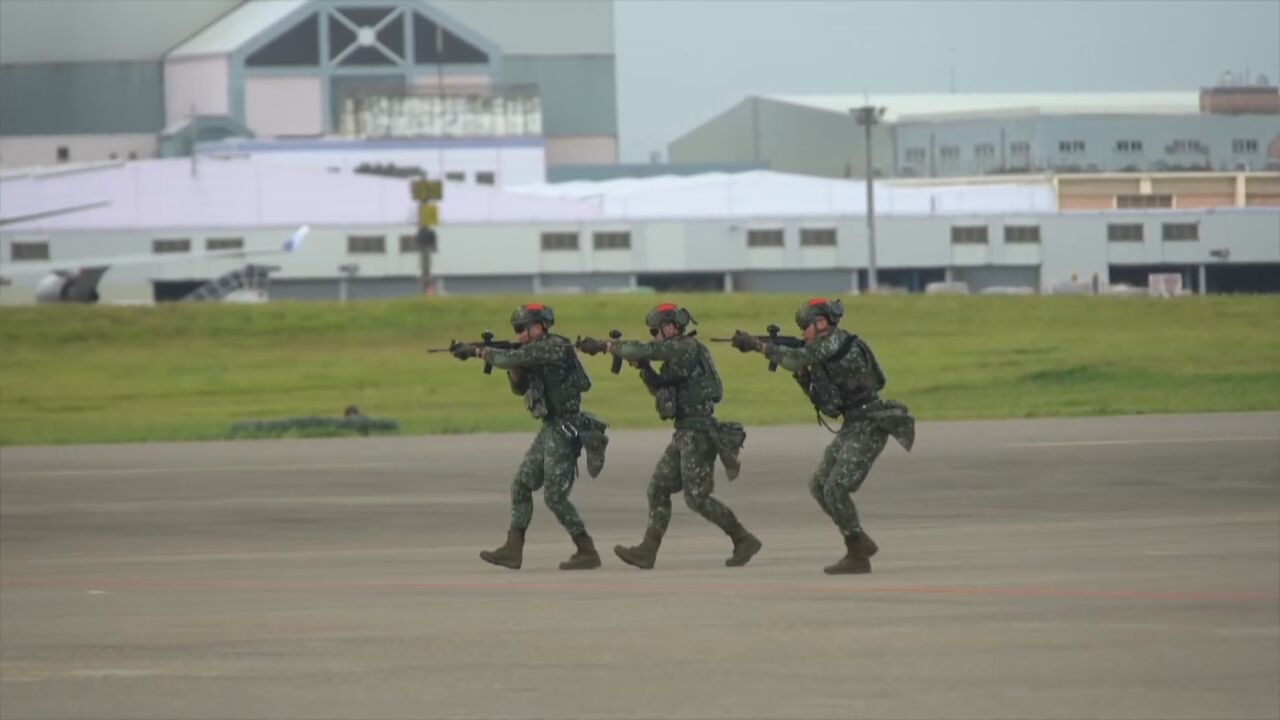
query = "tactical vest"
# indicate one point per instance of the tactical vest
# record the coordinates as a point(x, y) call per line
point(688, 386)
point(555, 389)
point(847, 379)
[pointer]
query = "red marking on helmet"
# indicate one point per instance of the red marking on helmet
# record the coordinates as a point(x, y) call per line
point(533, 306)
point(817, 301)
point(665, 307)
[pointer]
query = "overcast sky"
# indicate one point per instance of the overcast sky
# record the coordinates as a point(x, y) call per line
point(680, 62)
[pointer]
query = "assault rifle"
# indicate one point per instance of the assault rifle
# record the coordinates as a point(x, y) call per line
point(486, 340)
point(614, 335)
point(773, 337)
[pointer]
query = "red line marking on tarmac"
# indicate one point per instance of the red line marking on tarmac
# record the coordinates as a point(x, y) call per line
point(974, 591)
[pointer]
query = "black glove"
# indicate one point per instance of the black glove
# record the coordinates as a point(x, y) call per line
point(744, 342)
point(463, 351)
point(591, 346)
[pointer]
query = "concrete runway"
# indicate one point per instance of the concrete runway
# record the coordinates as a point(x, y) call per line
point(1118, 567)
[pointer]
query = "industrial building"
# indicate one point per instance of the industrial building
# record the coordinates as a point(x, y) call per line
point(99, 81)
point(1217, 129)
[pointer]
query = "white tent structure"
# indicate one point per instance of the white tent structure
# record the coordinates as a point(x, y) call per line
point(183, 221)
point(764, 193)
point(214, 193)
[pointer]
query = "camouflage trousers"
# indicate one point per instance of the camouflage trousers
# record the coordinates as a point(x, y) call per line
point(844, 466)
point(551, 463)
point(688, 464)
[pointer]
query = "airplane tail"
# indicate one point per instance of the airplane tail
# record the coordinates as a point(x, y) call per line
point(295, 241)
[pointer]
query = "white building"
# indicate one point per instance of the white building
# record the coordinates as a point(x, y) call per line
point(758, 231)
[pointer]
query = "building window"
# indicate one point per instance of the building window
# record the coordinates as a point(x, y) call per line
point(455, 177)
point(413, 243)
point(224, 244)
point(611, 240)
point(563, 241)
point(764, 238)
point(950, 152)
point(1244, 147)
point(914, 155)
point(1184, 146)
point(970, 235)
point(29, 251)
point(1181, 231)
point(64, 153)
point(817, 237)
point(1022, 233)
point(1124, 232)
point(1144, 201)
point(984, 151)
point(1129, 146)
point(1070, 147)
point(133, 155)
point(1021, 147)
point(366, 244)
point(160, 247)
point(484, 178)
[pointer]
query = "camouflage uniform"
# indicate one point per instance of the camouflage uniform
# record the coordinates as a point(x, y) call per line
point(546, 371)
point(842, 378)
point(688, 463)
point(686, 389)
point(849, 457)
point(545, 380)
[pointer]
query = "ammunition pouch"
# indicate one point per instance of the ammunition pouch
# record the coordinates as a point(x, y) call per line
point(665, 397)
point(535, 397)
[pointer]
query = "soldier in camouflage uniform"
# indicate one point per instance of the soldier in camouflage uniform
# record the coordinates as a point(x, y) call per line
point(687, 388)
point(839, 373)
point(546, 371)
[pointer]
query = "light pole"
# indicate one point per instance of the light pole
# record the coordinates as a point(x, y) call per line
point(869, 116)
point(349, 271)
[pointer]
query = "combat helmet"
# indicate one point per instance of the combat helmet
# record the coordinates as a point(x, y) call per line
point(530, 313)
point(811, 310)
point(668, 313)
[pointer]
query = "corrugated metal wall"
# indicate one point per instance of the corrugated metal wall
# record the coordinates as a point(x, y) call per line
point(81, 98)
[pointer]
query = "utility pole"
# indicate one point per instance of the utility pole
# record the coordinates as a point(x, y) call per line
point(427, 192)
point(868, 116)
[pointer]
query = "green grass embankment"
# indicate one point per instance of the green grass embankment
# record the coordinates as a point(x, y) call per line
point(187, 371)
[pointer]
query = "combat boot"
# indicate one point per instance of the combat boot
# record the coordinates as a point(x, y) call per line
point(643, 555)
point(853, 562)
point(745, 546)
point(586, 558)
point(510, 555)
point(866, 546)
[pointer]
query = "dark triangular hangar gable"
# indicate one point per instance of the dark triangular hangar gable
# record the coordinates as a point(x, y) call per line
point(439, 39)
point(433, 37)
point(297, 46)
point(434, 44)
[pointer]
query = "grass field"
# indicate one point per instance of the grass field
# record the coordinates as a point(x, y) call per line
point(188, 371)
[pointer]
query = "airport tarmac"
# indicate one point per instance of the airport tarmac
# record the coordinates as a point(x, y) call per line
point(1123, 567)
